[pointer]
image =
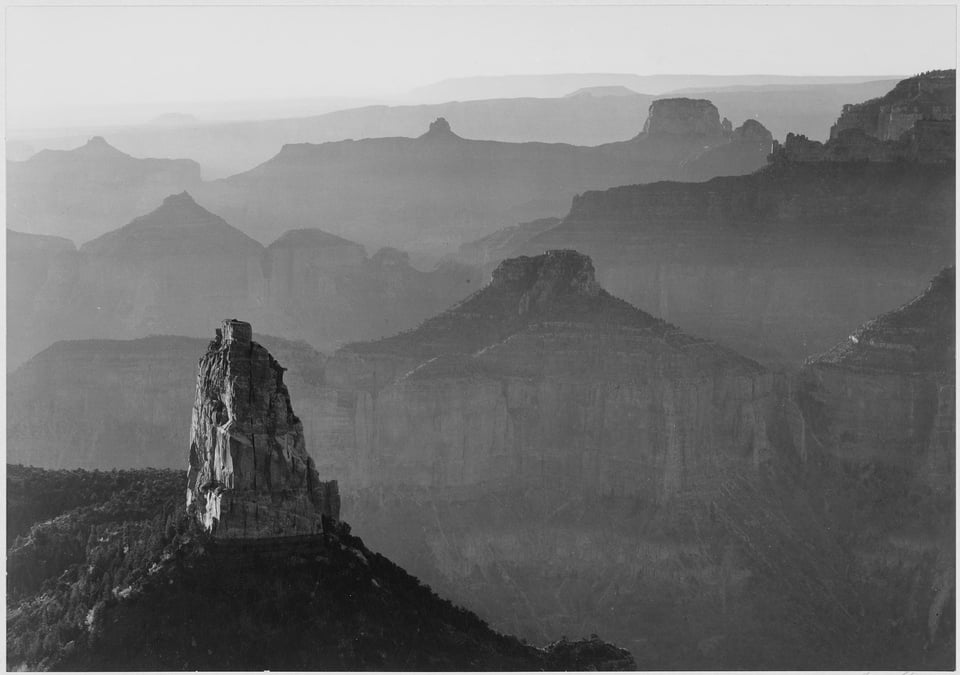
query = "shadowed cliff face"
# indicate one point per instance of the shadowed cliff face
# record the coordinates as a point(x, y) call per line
point(82, 193)
point(758, 262)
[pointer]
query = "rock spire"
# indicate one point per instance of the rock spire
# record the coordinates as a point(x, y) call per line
point(249, 472)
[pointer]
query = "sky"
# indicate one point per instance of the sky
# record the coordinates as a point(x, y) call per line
point(63, 59)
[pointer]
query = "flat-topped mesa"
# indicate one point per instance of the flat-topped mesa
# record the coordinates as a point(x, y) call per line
point(249, 472)
point(545, 277)
point(684, 117)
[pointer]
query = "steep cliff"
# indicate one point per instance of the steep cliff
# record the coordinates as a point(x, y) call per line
point(249, 473)
point(85, 192)
point(756, 261)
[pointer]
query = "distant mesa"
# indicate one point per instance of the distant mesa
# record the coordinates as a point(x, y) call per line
point(683, 117)
point(602, 91)
point(250, 475)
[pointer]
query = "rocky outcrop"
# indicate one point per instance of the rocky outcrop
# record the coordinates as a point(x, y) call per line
point(85, 192)
point(250, 475)
point(928, 96)
point(683, 117)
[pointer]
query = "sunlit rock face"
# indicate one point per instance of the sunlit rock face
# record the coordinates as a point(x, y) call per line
point(249, 474)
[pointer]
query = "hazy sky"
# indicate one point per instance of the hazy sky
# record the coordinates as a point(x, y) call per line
point(62, 58)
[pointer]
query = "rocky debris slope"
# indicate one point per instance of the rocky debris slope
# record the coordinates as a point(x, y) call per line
point(250, 474)
point(83, 193)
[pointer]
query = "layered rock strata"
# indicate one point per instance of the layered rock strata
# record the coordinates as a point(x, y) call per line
point(250, 475)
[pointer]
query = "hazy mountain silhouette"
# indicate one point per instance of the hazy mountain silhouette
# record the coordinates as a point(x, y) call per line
point(228, 147)
point(437, 190)
point(84, 192)
point(510, 86)
point(176, 269)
